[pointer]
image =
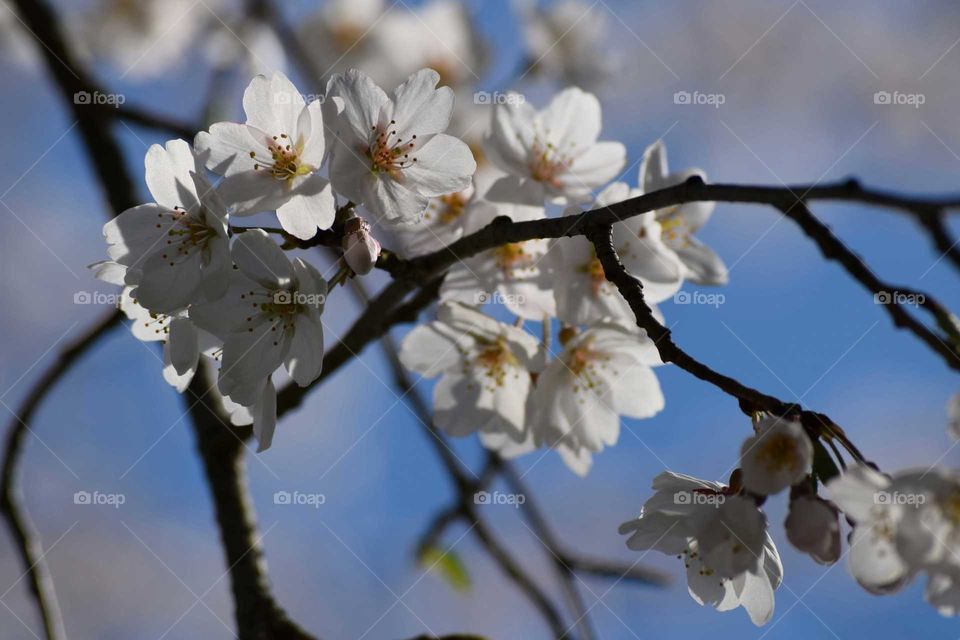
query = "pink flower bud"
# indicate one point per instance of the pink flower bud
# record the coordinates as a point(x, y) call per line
point(360, 248)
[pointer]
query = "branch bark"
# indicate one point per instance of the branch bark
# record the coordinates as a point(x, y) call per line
point(25, 535)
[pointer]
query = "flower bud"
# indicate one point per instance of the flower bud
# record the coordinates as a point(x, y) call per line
point(814, 528)
point(360, 248)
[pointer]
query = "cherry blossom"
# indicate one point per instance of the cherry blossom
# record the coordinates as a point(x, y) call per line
point(601, 374)
point(550, 155)
point(517, 274)
point(564, 40)
point(865, 497)
point(587, 295)
point(701, 521)
point(680, 222)
point(269, 317)
point(485, 368)
point(813, 527)
point(360, 248)
point(390, 153)
point(779, 455)
point(953, 413)
point(175, 250)
point(271, 162)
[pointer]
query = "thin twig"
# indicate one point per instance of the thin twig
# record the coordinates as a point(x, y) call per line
point(25, 535)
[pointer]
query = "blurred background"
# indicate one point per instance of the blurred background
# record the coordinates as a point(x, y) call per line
point(798, 83)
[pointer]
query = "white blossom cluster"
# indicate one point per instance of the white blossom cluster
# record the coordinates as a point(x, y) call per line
point(532, 347)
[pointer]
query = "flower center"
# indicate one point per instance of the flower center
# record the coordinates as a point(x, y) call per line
point(449, 207)
point(279, 308)
point(951, 506)
point(188, 233)
point(779, 451)
point(389, 153)
point(284, 163)
point(594, 271)
point(584, 363)
point(496, 360)
point(673, 227)
point(548, 162)
point(511, 257)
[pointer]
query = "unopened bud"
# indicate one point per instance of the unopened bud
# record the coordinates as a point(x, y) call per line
point(360, 248)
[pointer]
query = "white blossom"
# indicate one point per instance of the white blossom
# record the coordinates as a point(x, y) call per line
point(813, 527)
point(550, 155)
point(586, 295)
point(567, 40)
point(680, 222)
point(269, 317)
point(360, 248)
point(485, 368)
point(865, 497)
point(517, 274)
point(272, 162)
point(701, 521)
point(779, 455)
point(390, 153)
point(601, 374)
point(175, 250)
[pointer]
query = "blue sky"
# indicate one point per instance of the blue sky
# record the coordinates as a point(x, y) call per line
point(798, 80)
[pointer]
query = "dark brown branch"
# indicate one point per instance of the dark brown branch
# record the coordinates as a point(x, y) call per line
point(934, 222)
point(151, 120)
point(247, 571)
point(751, 400)
point(502, 231)
point(221, 447)
point(25, 535)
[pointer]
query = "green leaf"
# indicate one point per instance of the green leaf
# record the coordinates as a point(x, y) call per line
point(447, 564)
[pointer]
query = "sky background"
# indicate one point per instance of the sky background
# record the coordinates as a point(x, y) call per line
point(798, 80)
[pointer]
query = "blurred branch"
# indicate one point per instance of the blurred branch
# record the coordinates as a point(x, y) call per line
point(151, 120)
point(219, 445)
point(26, 538)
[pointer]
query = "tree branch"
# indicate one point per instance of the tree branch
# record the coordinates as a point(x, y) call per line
point(26, 538)
point(750, 399)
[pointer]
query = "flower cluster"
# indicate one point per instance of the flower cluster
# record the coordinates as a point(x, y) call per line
point(206, 287)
